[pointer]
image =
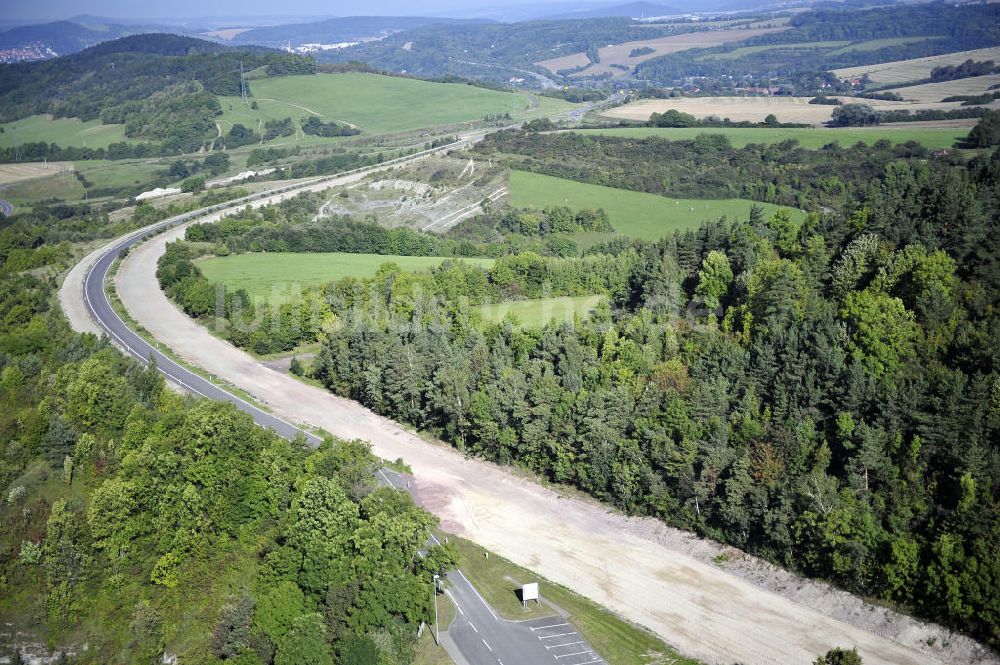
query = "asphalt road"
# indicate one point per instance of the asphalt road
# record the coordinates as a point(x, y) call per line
point(6, 207)
point(478, 636)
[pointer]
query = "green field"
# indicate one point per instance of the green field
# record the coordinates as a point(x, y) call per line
point(376, 104)
point(876, 44)
point(634, 214)
point(616, 641)
point(750, 50)
point(279, 276)
point(536, 313)
point(64, 132)
point(812, 138)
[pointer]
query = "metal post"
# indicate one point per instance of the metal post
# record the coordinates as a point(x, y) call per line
point(437, 636)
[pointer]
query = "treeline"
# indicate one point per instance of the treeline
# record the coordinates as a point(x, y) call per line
point(823, 396)
point(125, 505)
point(317, 127)
point(863, 115)
point(705, 167)
point(966, 69)
point(265, 328)
point(675, 118)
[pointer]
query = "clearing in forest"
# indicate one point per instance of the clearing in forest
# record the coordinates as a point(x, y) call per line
point(279, 276)
point(635, 214)
point(539, 311)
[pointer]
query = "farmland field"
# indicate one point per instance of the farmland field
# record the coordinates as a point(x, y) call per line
point(64, 132)
point(755, 109)
point(750, 50)
point(634, 214)
point(618, 54)
point(538, 312)
point(935, 92)
point(279, 275)
point(876, 44)
point(812, 138)
point(900, 71)
point(375, 104)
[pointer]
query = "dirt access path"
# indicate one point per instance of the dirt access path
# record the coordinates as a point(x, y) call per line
point(657, 577)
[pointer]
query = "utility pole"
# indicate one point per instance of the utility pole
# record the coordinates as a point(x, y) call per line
point(437, 635)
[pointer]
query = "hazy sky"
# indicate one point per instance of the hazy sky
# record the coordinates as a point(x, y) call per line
point(16, 10)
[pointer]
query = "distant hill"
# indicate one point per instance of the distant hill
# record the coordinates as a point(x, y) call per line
point(68, 37)
point(629, 10)
point(336, 30)
point(161, 87)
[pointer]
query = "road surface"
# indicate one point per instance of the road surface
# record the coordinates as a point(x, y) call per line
point(6, 207)
point(479, 636)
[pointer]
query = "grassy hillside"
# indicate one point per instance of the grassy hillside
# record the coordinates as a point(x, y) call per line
point(62, 131)
point(375, 104)
point(275, 276)
point(813, 138)
point(635, 214)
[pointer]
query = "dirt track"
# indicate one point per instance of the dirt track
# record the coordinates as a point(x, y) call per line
point(658, 577)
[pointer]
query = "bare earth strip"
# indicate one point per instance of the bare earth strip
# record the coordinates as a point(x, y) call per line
point(755, 109)
point(658, 577)
point(618, 54)
point(900, 71)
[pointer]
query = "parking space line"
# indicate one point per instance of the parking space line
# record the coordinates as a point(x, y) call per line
point(555, 625)
point(549, 637)
point(591, 662)
point(578, 653)
point(568, 644)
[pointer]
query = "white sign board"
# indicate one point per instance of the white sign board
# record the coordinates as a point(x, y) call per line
point(529, 592)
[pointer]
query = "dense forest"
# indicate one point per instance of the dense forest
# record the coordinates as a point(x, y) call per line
point(825, 396)
point(138, 522)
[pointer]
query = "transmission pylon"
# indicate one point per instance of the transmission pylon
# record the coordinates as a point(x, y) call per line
point(243, 86)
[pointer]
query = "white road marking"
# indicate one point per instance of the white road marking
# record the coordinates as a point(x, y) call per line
point(448, 593)
point(578, 653)
point(549, 637)
point(568, 644)
point(590, 662)
point(474, 627)
point(488, 645)
point(487, 605)
point(555, 625)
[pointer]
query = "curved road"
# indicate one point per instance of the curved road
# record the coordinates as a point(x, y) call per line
point(100, 309)
point(777, 625)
